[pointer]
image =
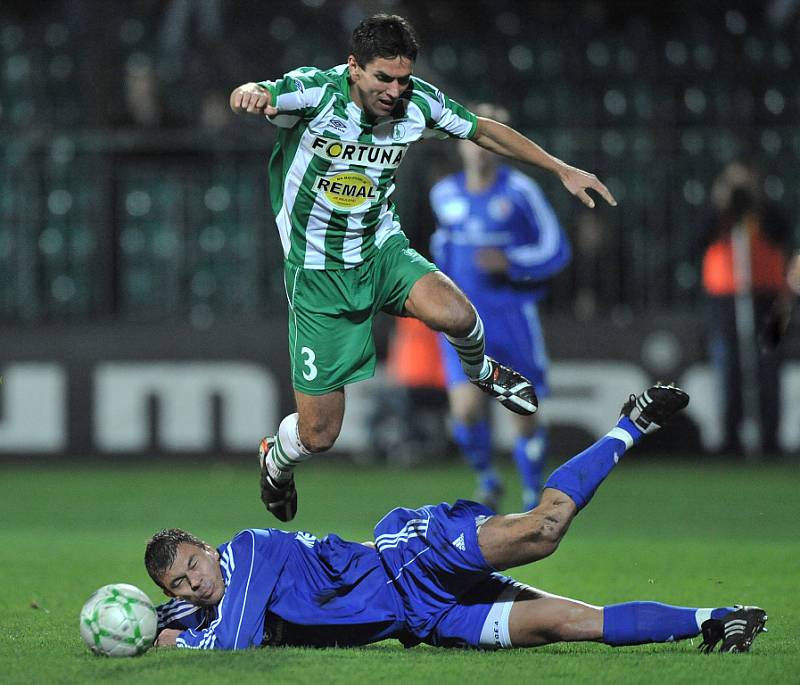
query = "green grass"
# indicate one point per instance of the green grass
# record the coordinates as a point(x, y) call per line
point(688, 533)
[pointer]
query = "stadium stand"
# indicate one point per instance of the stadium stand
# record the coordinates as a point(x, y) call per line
point(120, 210)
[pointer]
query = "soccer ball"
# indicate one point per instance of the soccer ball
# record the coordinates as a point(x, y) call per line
point(119, 620)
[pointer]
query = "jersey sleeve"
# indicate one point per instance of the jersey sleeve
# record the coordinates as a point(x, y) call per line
point(444, 117)
point(251, 564)
point(297, 95)
point(543, 249)
point(179, 614)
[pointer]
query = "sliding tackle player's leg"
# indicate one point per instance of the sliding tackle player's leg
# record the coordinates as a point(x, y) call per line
point(538, 617)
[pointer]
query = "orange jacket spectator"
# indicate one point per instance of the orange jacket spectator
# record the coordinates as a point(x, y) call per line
point(768, 263)
point(414, 359)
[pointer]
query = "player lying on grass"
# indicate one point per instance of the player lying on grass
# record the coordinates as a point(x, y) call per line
point(430, 576)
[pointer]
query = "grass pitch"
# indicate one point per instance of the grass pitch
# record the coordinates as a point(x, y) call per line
point(686, 532)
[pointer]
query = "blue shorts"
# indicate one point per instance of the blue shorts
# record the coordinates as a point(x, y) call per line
point(448, 590)
point(514, 338)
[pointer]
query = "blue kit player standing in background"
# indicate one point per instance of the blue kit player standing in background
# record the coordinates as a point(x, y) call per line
point(500, 241)
point(430, 576)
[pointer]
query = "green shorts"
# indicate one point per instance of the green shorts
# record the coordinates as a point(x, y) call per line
point(331, 312)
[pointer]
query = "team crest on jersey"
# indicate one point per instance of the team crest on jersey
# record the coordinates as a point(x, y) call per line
point(346, 191)
point(362, 154)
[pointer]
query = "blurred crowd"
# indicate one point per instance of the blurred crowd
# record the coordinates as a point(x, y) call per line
point(657, 98)
point(169, 63)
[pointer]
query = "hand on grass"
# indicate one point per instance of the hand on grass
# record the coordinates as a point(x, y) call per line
point(166, 638)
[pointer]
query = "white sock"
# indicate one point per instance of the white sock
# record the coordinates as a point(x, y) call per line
point(471, 350)
point(621, 434)
point(287, 451)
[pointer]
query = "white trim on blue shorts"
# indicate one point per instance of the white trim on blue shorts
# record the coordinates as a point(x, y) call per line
point(495, 634)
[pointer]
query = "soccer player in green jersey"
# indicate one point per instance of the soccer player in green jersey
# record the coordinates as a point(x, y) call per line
point(342, 134)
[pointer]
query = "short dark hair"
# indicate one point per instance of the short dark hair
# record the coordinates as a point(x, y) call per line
point(161, 549)
point(383, 35)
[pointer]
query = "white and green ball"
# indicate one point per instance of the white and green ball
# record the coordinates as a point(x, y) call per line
point(119, 620)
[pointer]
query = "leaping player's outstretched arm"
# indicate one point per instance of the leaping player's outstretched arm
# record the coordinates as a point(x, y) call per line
point(504, 140)
point(252, 98)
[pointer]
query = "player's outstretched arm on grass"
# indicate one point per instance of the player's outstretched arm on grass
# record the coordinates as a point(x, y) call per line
point(251, 98)
point(167, 637)
point(504, 140)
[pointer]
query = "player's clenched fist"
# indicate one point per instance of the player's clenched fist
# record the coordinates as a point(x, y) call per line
point(253, 99)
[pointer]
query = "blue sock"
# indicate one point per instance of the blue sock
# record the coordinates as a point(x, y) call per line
point(475, 443)
point(529, 454)
point(581, 476)
point(637, 623)
point(630, 428)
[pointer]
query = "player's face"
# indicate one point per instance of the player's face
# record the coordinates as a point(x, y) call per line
point(195, 575)
point(378, 84)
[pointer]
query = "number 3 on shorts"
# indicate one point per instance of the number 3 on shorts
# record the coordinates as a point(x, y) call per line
point(308, 360)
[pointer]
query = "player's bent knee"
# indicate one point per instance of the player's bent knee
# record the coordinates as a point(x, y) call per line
point(550, 524)
point(517, 539)
point(320, 442)
point(542, 547)
point(319, 424)
point(461, 317)
point(466, 317)
point(439, 304)
point(318, 439)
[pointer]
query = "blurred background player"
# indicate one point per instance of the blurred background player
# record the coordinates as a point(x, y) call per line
point(744, 273)
point(500, 241)
point(342, 134)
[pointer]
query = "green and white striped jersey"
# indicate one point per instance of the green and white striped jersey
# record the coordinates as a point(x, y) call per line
point(332, 170)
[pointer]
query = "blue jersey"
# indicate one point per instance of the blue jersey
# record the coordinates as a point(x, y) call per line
point(426, 581)
point(513, 216)
point(287, 581)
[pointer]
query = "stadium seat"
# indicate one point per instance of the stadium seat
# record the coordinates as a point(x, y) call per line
point(704, 57)
point(781, 55)
point(12, 36)
point(654, 109)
